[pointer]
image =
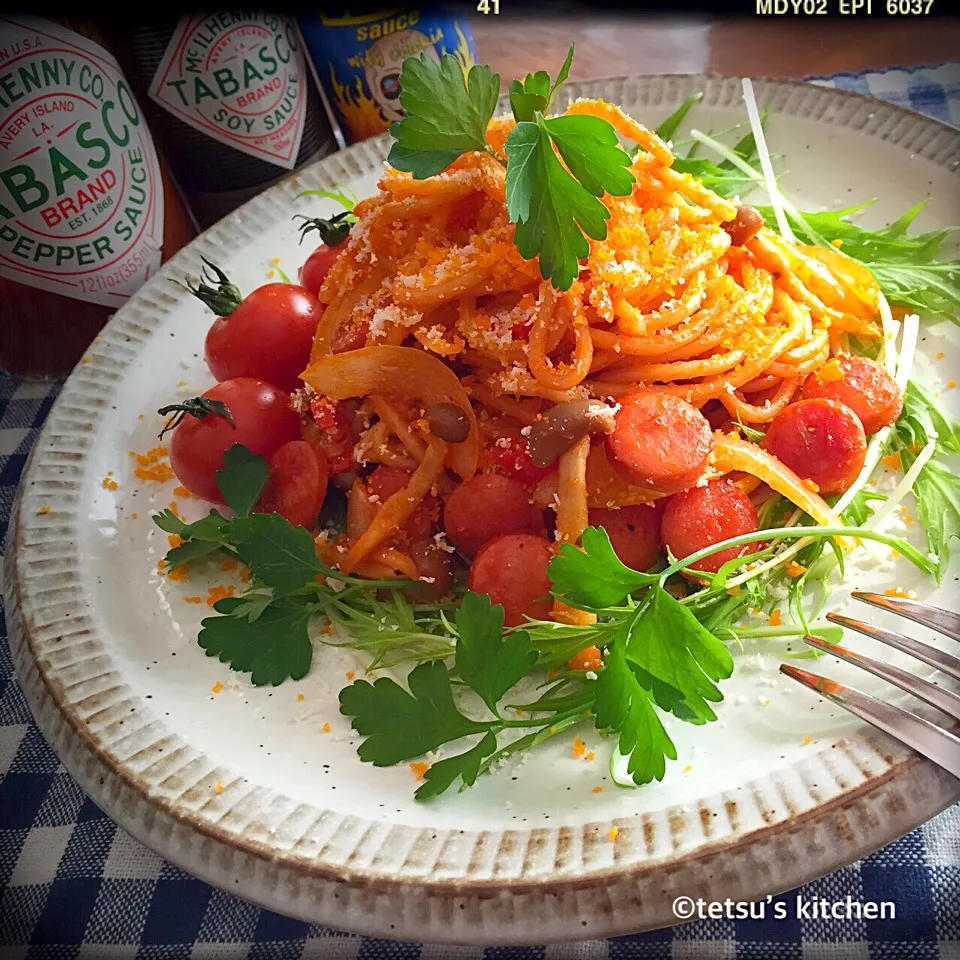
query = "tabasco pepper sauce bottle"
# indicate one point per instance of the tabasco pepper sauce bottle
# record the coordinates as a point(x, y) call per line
point(87, 210)
point(230, 100)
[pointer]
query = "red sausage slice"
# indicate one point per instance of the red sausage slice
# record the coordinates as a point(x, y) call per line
point(385, 481)
point(661, 442)
point(512, 570)
point(702, 516)
point(297, 484)
point(861, 384)
point(486, 506)
point(820, 440)
point(634, 532)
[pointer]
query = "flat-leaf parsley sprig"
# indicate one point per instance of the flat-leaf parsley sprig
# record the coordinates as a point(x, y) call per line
point(555, 205)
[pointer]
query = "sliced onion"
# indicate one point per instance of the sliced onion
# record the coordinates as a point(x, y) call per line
point(399, 372)
point(733, 453)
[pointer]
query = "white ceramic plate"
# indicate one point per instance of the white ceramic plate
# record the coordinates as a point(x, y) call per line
point(768, 797)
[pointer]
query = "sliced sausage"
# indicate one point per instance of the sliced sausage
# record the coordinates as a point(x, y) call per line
point(512, 570)
point(702, 516)
point(385, 481)
point(297, 485)
point(634, 532)
point(660, 443)
point(486, 506)
point(820, 440)
point(861, 384)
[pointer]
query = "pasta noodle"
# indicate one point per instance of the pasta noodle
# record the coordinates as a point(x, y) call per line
point(665, 303)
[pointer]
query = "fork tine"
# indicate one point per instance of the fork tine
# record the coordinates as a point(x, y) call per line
point(942, 699)
point(922, 651)
point(926, 738)
point(943, 621)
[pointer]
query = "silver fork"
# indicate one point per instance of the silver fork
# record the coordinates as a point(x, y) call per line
point(932, 741)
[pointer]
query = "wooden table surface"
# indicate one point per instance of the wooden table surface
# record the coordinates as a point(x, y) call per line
point(609, 46)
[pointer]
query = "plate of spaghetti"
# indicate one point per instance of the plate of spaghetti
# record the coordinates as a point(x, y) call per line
point(451, 602)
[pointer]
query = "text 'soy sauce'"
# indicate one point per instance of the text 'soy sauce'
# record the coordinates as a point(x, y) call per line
point(230, 99)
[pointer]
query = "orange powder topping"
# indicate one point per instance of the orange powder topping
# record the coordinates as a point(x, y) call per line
point(244, 575)
point(174, 540)
point(896, 592)
point(613, 834)
point(597, 790)
point(151, 467)
point(229, 564)
point(218, 593)
point(419, 769)
point(795, 569)
point(579, 747)
point(182, 491)
point(181, 574)
point(589, 756)
point(776, 619)
point(586, 659)
point(299, 698)
point(892, 460)
point(326, 728)
point(350, 674)
point(219, 788)
point(193, 599)
point(44, 510)
point(807, 740)
point(217, 687)
point(109, 483)
point(830, 372)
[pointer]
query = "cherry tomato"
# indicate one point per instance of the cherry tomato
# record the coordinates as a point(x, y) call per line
point(316, 267)
point(485, 506)
point(263, 422)
point(511, 458)
point(268, 336)
point(863, 385)
point(297, 485)
point(702, 516)
point(820, 440)
point(512, 571)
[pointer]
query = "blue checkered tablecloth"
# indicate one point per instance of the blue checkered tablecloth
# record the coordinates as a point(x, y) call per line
point(72, 884)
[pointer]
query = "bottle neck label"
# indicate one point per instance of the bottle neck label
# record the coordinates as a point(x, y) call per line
point(81, 197)
point(239, 77)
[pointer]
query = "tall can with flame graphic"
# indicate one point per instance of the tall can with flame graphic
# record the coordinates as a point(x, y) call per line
point(357, 59)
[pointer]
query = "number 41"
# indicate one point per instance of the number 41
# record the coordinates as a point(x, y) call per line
point(488, 6)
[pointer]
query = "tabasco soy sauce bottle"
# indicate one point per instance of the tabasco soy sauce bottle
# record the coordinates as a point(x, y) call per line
point(230, 100)
point(87, 210)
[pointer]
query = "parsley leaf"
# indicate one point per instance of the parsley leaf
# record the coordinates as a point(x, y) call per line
point(487, 661)
point(188, 552)
point(535, 94)
point(272, 648)
point(551, 208)
point(676, 658)
point(441, 775)
point(279, 554)
point(399, 725)
point(624, 706)
point(594, 577)
point(242, 478)
point(446, 114)
point(859, 510)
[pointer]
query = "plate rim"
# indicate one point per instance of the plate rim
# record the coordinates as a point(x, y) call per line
point(47, 700)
